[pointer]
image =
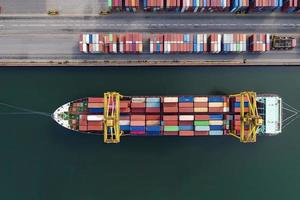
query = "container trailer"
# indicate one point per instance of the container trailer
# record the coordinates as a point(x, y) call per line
point(243, 116)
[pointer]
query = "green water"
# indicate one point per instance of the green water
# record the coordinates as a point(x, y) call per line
point(41, 160)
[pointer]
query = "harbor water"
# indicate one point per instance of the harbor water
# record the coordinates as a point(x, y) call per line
point(41, 160)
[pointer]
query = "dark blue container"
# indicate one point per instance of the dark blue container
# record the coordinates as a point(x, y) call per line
point(215, 99)
point(186, 99)
point(125, 127)
point(153, 128)
point(96, 110)
point(216, 117)
point(186, 128)
point(215, 127)
point(137, 128)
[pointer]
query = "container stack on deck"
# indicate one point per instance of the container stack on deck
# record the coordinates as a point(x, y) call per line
point(132, 5)
point(171, 115)
point(219, 5)
point(241, 6)
point(265, 5)
point(290, 5)
point(234, 43)
point(153, 115)
point(156, 43)
point(95, 117)
point(153, 5)
point(215, 42)
point(200, 43)
point(259, 42)
point(115, 5)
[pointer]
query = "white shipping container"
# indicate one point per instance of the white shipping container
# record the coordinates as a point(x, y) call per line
point(216, 122)
point(201, 128)
point(138, 99)
point(124, 122)
point(170, 99)
point(200, 99)
point(186, 117)
point(219, 132)
point(95, 117)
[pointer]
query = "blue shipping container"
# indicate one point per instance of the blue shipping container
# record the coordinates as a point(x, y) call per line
point(186, 99)
point(216, 117)
point(96, 110)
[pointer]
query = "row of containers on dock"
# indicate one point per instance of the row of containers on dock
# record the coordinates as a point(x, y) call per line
point(183, 115)
point(166, 43)
point(234, 6)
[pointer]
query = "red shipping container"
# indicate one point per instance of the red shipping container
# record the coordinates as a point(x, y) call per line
point(152, 117)
point(186, 110)
point(201, 133)
point(95, 123)
point(186, 123)
point(170, 133)
point(216, 109)
point(138, 110)
point(186, 105)
point(152, 110)
point(186, 133)
point(170, 123)
point(170, 109)
point(201, 104)
point(138, 117)
point(95, 100)
point(170, 117)
point(137, 105)
point(201, 117)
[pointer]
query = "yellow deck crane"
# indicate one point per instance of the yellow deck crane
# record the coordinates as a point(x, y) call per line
point(250, 119)
point(112, 132)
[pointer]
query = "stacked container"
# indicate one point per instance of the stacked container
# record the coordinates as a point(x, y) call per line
point(133, 43)
point(178, 43)
point(170, 124)
point(115, 5)
point(265, 5)
point(186, 125)
point(200, 43)
point(239, 6)
point(289, 5)
point(132, 5)
point(234, 43)
point(201, 124)
point(173, 5)
point(216, 125)
point(170, 116)
point(259, 42)
point(137, 124)
point(235, 104)
point(186, 104)
point(156, 43)
point(153, 115)
point(200, 104)
point(153, 5)
point(95, 117)
point(218, 104)
point(215, 42)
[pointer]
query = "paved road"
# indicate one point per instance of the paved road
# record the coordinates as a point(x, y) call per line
point(57, 38)
point(120, 23)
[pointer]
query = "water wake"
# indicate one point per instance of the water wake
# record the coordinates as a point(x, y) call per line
point(25, 111)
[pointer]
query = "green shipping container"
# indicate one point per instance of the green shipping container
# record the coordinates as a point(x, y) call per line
point(110, 3)
point(171, 128)
point(201, 123)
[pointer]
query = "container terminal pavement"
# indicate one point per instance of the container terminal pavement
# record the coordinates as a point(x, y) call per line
point(55, 39)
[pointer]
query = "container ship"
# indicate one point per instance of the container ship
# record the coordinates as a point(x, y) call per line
point(168, 43)
point(243, 116)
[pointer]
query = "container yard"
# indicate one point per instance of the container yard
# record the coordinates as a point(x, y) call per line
point(166, 43)
point(242, 116)
point(207, 6)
